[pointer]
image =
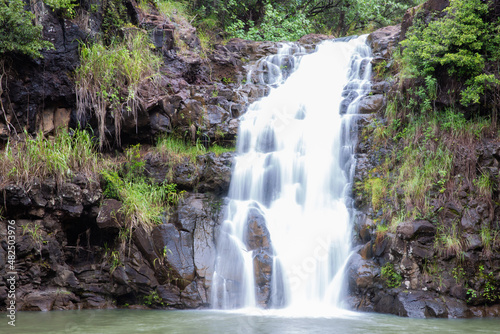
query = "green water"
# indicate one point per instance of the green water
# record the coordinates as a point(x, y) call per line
point(186, 322)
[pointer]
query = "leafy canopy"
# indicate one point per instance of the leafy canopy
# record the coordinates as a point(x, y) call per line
point(291, 19)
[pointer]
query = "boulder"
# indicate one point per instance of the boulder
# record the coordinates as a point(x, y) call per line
point(371, 104)
point(383, 40)
point(362, 274)
point(170, 295)
point(160, 123)
point(110, 215)
point(216, 173)
point(409, 230)
point(194, 296)
point(178, 248)
point(44, 300)
point(258, 240)
point(420, 304)
point(185, 174)
point(310, 41)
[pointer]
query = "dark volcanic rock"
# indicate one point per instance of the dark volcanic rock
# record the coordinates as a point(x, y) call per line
point(110, 216)
point(415, 229)
point(371, 104)
point(216, 173)
point(383, 40)
point(258, 239)
point(178, 247)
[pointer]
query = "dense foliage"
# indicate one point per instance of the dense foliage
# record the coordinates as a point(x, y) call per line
point(18, 33)
point(279, 19)
point(462, 43)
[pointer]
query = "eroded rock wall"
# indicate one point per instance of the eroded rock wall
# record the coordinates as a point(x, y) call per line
point(429, 280)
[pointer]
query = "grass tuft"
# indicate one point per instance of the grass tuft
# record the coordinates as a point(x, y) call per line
point(145, 203)
point(60, 157)
point(176, 150)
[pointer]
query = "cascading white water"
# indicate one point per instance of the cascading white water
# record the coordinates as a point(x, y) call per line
point(286, 236)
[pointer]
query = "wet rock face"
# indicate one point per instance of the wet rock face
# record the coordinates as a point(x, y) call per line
point(435, 258)
point(258, 240)
point(40, 85)
point(415, 229)
point(178, 248)
point(73, 259)
point(42, 95)
point(383, 40)
point(210, 174)
point(371, 104)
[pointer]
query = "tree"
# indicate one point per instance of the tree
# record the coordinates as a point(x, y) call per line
point(18, 33)
point(339, 17)
point(462, 43)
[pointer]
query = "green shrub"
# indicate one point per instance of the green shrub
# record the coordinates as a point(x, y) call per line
point(275, 26)
point(490, 287)
point(152, 299)
point(114, 18)
point(461, 42)
point(392, 278)
point(66, 6)
point(18, 33)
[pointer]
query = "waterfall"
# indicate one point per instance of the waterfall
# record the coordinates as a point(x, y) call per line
point(287, 231)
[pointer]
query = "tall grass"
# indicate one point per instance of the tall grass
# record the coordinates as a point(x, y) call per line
point(427, 146)
point(484, 185)
point(458, 127)
point(144, 203)
point(420, 171)
point(108, 79)
point(448, 241)
point(58, 157)
point(488, 240)
point(176, 150)
point(169, 8)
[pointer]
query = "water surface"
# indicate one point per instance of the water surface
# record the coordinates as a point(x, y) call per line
point(196, 322)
